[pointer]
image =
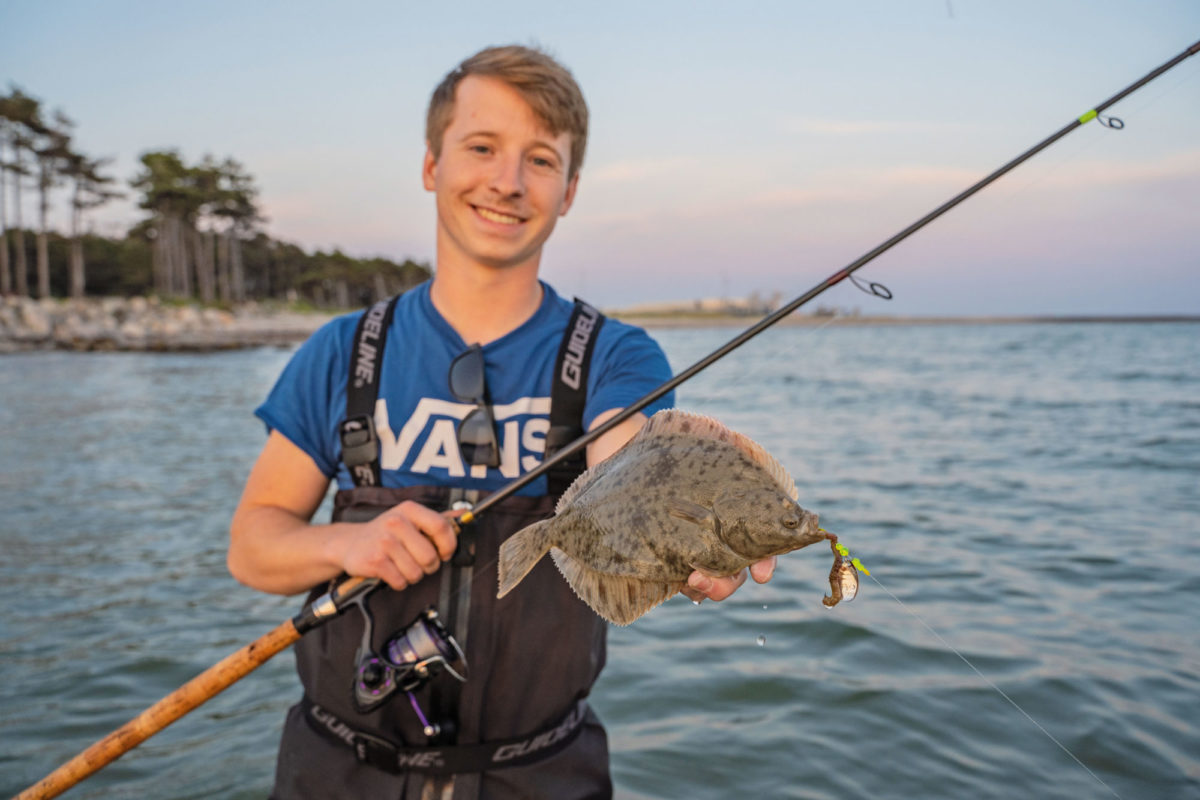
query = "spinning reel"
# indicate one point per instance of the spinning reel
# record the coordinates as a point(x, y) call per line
point(410, 659)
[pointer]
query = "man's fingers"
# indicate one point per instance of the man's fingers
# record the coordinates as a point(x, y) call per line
point(701, 584)
point(444, 536)
point(438, 528)
point(762, 571)
point(397, 553)
point(727, 586)
point(420, 549)
point(406, 543)
point(715, 588)
point(390, 575)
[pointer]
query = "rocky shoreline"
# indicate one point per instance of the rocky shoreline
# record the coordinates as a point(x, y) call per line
point(145, 324)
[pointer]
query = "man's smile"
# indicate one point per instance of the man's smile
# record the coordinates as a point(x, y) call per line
point(497, 216)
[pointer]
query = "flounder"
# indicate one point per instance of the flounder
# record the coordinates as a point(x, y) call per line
point(685, 493)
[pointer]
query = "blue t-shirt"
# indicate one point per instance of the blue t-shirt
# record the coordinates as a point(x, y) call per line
point(416, 416)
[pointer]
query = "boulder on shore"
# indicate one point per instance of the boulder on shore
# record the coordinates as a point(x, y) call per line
point(139, 323)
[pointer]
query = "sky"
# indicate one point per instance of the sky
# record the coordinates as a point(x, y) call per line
point(734, 147)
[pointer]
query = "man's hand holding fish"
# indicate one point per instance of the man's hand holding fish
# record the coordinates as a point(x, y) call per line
point(718, 587)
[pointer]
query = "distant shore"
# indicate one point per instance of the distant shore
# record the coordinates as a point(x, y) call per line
point(147, 324)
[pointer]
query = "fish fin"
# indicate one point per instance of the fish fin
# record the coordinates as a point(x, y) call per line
point(520, 553)
point(693, 513)
point(568, 497)
point(672, 420)
point(616, 598)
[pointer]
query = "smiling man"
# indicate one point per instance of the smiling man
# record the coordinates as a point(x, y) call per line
point(502, 179)
point(422, 405)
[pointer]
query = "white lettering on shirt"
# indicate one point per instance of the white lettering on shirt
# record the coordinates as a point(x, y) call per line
point(534, 440)
point(438, 420)
point(441, 450)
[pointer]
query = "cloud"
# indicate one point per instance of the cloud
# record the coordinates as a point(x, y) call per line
point(857, 185)
point(921, 175)
point(636, 170)
point(856, 127)
point(1177, 166)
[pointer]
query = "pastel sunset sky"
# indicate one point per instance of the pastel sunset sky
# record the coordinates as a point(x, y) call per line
point(734, 147)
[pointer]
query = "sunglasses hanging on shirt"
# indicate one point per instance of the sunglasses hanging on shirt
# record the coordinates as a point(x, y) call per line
point(477, 431)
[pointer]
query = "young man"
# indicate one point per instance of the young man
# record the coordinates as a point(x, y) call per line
point(464, 388)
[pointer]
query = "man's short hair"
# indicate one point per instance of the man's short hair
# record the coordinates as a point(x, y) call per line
point(546, 85)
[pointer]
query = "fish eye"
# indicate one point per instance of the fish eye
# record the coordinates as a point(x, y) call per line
point(791, 521)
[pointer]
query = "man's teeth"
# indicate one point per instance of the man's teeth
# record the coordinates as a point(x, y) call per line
point(497, 217)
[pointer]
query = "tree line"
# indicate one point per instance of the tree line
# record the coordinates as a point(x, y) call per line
point(202, 237)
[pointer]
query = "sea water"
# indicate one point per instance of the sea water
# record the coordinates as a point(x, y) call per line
point(1026, 496)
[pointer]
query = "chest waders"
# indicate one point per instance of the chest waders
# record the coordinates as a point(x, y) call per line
point(521, 716)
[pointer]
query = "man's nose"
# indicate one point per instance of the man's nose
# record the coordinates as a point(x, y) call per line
point(508, 179)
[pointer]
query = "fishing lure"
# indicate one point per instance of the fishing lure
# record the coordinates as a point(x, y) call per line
point(843, 577)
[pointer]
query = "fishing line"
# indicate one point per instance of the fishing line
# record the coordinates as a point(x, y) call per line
point(633, 408)
point(989, 682)
point(328, 606)
point(876, 289)
point(1154, 96)
point(1006, 198)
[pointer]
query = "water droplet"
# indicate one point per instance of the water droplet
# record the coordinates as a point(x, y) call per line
point(762, 640)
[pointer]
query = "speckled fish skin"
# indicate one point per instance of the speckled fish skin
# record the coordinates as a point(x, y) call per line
point(685, 493)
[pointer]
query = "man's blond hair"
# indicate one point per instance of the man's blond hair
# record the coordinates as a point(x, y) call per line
point(546, 85)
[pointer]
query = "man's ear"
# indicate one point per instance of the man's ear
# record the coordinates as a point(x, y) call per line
point(569, 197)
point(429, 169)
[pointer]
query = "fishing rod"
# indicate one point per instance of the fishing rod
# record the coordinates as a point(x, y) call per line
point(239, 664)
point(834, 279)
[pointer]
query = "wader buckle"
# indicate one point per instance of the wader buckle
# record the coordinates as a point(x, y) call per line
point(360, 445)
point(379, 753)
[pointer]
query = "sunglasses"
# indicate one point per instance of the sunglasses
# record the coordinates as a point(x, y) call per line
point(477, 431)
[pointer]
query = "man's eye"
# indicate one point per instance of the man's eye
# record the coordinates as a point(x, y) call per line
point(480, 148)
point(543, 163)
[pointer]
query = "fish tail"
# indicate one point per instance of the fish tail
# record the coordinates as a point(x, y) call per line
point(521, 552)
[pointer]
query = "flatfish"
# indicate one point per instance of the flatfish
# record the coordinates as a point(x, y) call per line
point(685, 493)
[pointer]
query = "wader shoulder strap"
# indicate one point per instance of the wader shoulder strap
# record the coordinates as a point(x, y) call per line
point(360, 444)
point(569, 393)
